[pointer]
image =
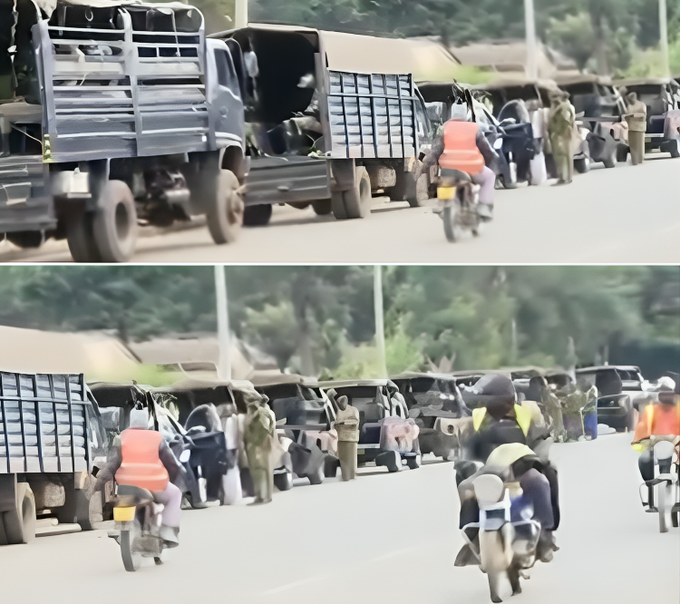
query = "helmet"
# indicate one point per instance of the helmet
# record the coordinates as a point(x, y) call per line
point(496, 393)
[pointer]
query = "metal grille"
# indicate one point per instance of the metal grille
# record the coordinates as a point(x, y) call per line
point(372, 115)
point(43, 423)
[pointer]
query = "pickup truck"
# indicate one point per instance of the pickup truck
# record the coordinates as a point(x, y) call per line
point(115, 115)
point(324, 127)
point(52, 441)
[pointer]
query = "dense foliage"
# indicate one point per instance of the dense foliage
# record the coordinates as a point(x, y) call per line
point(321, 318)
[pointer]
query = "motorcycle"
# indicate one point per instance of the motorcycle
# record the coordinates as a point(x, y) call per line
point(459, 204)
point(665, 485)
point(137, 519)
point(503, 547)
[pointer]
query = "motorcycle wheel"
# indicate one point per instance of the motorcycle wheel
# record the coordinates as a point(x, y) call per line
point(452, 228)
point(663, 498)
point(495, 583)
point(582, 165)
point(131, 559)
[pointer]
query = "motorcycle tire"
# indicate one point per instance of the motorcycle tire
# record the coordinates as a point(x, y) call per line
point(131, 559)
point(283, 482)
point(664, 494)
point(452, 228)
point(413, 462)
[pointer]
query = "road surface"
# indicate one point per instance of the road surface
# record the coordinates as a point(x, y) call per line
point(382, 538)
point(623, 215)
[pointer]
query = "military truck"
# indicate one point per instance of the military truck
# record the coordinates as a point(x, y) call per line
point(115, 115)
point(52, 441)
point(326, 128)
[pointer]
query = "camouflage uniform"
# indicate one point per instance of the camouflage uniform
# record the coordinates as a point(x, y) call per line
point(258, 438)
point(636, 117)
point(561, 124)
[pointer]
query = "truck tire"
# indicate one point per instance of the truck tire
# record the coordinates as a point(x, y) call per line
point(322, 207)
point(225, 212)
point(338, 205)
point(27, 239)
point(258, 215)
point(81, 238)
point(410, 190)
point(20, 522)
point(358, 199)
point(114, 222)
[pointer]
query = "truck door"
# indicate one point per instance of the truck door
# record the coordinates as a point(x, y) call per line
point(224, 96)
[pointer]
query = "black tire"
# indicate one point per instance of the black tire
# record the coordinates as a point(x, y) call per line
point(338, 205)
point(358, 199)
point(300, 205)
point(413, 462)
point(674, 519)
point(622, 153)
point(675, 149)
point(283, 482)
point(582, 165)
point(331, 465)
point(27, 240)
point(410, 190)
point(131, 559)
point(258, 215)
point(20, 522)
point(80, 238)
point(317, 476)
point(114, 222)
point(225, 214)
point(391, 460)
point(322, 207)
point(663, 500)
point(452, 229)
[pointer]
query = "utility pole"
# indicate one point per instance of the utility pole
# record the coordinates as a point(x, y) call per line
point(663, 41)
point(379, 319)
point(241, 13)
point(531, 67)
point(223, 336)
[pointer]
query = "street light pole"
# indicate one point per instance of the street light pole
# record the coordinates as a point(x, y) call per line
point(379, 319)
point(241, 13)
point(663, 30)
point(223, 336)
point(531, 66)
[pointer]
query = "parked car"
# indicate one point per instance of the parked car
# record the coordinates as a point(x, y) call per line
point(308, 415)
point(596, 99)
point(200, 476)
point(435, 403)
point(618, 386)
point(387, 436)
point(662, 97)
point(52, 441)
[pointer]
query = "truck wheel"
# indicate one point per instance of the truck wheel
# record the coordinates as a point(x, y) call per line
point(258, 215)
point(114, 223)
point(225, 215)
point(27, 239)
point(81, 238)
point(20, 522)
point(358, 199)
point(322, 207)
point(407, 189)
point(338, 205)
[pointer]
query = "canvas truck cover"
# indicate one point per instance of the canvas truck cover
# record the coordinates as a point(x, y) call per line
point(122, 80)
point(44, 423)
point(372, 115)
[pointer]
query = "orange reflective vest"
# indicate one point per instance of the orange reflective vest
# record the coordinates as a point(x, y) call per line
point(142, 466)
point(460, 148)
point(658, 419)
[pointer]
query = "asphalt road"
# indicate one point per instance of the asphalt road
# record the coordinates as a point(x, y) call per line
point(382, 538)
point(623, 215)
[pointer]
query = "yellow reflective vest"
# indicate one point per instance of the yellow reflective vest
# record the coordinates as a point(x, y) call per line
point(522, 416)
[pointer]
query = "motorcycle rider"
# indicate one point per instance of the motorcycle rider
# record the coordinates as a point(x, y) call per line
point(139, 457)
point(447, 140)
point(659, 420)
point(499, 423)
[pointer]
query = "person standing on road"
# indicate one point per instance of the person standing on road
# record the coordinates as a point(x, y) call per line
point(347, 426)
point(259, 434)
point(561, 124)
point(636, 117)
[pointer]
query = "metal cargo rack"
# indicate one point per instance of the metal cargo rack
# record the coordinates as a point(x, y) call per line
point(44, 423)
point(372, 115)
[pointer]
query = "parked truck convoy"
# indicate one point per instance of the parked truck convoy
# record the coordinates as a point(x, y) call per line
point(51, 440)
point(116, 115)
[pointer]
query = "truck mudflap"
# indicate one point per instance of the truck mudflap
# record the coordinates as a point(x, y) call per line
point(286, 179)
point(25, 203)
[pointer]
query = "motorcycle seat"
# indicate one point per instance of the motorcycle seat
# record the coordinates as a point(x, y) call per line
point(129, 496)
